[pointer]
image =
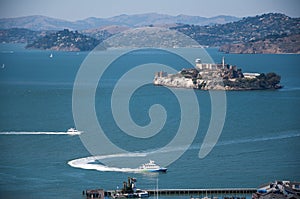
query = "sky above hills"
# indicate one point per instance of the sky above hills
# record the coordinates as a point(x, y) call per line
point(79, 9)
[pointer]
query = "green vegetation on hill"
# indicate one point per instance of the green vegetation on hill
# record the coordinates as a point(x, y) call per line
point(263, 81)
point(97, 34)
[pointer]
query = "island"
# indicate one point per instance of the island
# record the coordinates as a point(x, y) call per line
point(64, 40)
point(210, 76)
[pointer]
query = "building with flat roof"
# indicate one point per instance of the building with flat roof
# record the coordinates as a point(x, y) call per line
point(210, 66)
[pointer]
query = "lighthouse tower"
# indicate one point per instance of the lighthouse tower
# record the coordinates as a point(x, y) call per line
point(199, 64)
point(223, 62)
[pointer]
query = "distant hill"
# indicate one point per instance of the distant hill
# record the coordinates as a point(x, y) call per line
point(104, 32)
point(268, 45)
point(267, 33)
point(150, 37)
point(38, 22)
point(247, 29)
point(19, 35)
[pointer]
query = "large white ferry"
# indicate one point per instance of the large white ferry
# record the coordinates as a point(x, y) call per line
point(152, 167)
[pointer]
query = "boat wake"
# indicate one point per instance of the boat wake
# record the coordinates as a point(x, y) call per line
point(283, 135)
point(7, 51)
point(289, 89)
point(37, 133)
point(94, 162)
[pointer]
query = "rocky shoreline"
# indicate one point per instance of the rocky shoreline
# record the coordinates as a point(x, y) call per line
point(217, 77)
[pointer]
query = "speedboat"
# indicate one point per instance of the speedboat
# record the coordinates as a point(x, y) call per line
point(151, 166)
point(72, 131)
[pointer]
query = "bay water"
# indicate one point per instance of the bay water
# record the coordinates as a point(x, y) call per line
point(260, 141)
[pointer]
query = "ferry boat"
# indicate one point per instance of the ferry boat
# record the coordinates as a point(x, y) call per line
point(151, 166)
point(72, 131)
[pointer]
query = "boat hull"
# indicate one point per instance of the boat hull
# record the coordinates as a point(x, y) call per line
point(162, 170)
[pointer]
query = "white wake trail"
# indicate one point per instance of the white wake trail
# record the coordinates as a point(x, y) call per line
point(36, 133)
point(91, 163)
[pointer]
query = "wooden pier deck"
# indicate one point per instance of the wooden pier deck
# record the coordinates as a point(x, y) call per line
point(217, 191)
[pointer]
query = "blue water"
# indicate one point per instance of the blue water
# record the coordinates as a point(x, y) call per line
point(259, 142)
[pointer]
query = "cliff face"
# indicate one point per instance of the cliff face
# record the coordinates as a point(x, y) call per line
point(174, 81)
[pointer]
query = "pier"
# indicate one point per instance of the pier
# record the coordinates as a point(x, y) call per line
point(215, 191)
point(222, 191)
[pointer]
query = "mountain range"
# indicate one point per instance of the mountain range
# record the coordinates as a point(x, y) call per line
point(38, 22)
point(267, 33)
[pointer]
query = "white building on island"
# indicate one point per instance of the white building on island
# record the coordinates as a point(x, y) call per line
point(251, 75)
point(211, 66)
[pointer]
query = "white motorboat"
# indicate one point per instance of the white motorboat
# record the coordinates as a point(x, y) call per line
point(151, 166)
point(72, 131)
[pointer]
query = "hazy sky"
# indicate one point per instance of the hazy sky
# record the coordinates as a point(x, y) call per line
point(81, 9)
